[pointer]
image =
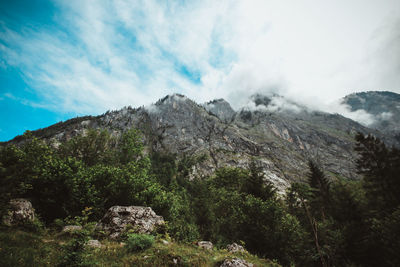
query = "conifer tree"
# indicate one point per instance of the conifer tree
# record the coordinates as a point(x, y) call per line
point(256, 185)
point(320, 189)
point(380, 167)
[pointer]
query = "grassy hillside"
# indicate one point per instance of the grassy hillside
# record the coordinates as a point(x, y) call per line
point(25, 248)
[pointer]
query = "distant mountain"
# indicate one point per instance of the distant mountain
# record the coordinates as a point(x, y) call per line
point(279, 134)
point(383, 106)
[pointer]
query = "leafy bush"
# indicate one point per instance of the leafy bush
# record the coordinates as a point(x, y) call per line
point(137, 242)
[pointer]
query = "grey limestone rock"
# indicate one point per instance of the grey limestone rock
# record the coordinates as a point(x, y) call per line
point(235, 248)
point(71, 228)
point(93, 243)
point(117, 218)
point(221, 109)
point(21, 212)
point(236, 262)
point(205, 244)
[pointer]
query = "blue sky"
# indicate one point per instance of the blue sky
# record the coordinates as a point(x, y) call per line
point(61, 59)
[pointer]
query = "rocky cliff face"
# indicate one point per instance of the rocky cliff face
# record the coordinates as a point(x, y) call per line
point(280, 139)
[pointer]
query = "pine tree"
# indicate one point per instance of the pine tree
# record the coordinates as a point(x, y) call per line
point(320, 189)
point(256, 185)
point(380, 168)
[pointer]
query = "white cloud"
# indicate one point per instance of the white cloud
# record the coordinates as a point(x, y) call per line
point(385, 116)
point(118, 53)
point(359, 115)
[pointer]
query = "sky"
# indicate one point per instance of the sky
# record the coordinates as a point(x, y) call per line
point(62, 59)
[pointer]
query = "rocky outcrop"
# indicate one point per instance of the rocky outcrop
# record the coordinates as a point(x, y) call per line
point(117, 218)
point(236, 262)
point(221, 109)
point(21, 212)
point(205, 245)
point(235, 248)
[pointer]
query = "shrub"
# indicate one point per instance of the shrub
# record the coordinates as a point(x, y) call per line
point(73, 250)
point(137, 242)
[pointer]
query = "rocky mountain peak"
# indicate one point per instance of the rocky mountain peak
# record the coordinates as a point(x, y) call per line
point(221, 109)
point(172, 98)
point(259, 99)
point(274, 103)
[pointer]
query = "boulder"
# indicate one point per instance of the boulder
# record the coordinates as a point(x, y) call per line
point(117, 218)
point(205, 244)
point(93, 243)
point(21, 212)
point(71, 228)
point(235, 248)
point(236, 262)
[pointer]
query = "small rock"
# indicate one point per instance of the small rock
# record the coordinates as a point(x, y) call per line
point(234, 247)
point(21, 212)
point(236, 262)
point(94, 243)
point(165, 242)
point(71, 228)
point(205, 244)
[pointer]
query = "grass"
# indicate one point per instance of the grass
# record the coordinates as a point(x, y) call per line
point(165, 255)
point(21, 248)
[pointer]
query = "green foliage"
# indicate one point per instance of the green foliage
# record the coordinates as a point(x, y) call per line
point(91, 148)
point(380, 167)
point(164, 168)
point(311, 203)
point(319, 199)
point(74, 250)
point(137, 242)
point(321, 223)
point(130, 147)
point(257, 185)
point(352, 222)
point(386, 232)
point(234, 211)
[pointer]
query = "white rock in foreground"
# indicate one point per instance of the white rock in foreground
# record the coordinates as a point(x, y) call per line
point(117, 218)
point(21, 212)
point(236, 262)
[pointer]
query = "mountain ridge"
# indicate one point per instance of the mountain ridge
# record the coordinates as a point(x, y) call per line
point(382, 106)
point(280, 140)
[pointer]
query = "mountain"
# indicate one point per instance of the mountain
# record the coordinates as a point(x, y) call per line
point(383, 106)
point(279, 134)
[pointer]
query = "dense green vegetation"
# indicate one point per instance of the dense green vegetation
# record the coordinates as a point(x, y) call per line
point(319, 223)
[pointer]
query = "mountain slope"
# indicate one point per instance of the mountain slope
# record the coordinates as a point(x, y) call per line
point(281, 140)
